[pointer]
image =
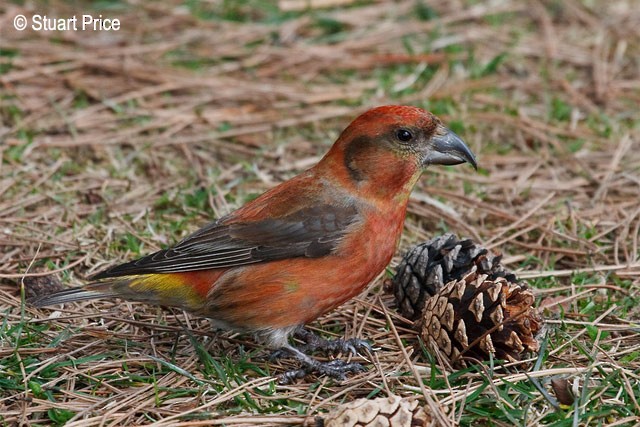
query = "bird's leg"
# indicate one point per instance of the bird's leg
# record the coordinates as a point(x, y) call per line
point(336, 369)
point(315, 343)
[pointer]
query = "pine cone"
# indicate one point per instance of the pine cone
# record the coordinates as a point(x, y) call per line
point(476, 316)
point(385, 411)
point(426, 268)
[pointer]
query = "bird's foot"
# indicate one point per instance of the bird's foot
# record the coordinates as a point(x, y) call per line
point(336, 369)
point(315, 343)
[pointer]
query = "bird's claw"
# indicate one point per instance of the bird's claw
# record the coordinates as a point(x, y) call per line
point(315, 343)
point(336, 369)
point(351, 346)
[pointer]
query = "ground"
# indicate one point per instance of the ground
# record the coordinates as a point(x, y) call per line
point(117, 143)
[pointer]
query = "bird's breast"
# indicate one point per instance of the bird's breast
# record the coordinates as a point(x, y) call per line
point(374, 245)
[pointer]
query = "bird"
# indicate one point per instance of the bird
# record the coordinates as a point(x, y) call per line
point(300, 249)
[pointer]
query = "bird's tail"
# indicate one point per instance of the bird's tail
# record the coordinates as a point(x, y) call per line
point(91, 291)
point(185, 290)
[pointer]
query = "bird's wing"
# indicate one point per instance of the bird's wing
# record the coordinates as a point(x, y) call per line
point(310, 232)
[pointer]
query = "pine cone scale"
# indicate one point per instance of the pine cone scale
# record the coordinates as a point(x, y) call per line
point(392, 411)
point(465, 303)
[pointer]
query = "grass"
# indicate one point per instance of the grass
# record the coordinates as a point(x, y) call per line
point(115, 145)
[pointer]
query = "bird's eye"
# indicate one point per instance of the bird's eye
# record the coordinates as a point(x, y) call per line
point(404, 135)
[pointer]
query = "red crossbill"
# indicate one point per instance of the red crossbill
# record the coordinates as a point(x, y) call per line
point(303, 247)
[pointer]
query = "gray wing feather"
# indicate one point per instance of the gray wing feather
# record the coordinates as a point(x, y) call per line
point(312, 232)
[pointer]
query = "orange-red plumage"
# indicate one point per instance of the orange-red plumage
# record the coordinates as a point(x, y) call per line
point(303, 247)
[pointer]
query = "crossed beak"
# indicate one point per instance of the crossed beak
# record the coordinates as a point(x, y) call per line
point(447, 148)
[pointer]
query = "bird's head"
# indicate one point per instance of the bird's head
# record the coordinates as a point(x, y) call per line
point(387, 148)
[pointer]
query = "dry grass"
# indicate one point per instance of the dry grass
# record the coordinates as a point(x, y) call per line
point(114, 144)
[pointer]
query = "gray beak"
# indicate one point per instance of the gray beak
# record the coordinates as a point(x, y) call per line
point(447, 148)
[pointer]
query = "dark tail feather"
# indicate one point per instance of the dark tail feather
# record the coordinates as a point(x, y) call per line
point(94, 290)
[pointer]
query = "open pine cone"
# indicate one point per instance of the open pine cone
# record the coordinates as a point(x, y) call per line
point(465, 302)
point(427, 267)
point(476, 317)
point(384, 411)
